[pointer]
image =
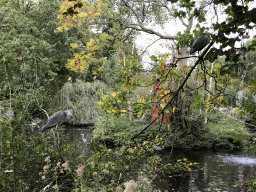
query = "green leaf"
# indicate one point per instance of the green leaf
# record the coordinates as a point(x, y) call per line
point(200, 75)
point(198, 97)
point(2, 182)
point(153, 58)
point(157, 70)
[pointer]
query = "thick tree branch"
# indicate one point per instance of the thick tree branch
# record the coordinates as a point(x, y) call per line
point(150, 31)
point(141, 27)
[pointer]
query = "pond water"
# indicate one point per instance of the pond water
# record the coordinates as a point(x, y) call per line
point(217, 171)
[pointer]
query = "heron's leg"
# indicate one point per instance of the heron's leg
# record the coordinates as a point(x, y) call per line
point(58, 136)
point(58, 139)
point(53, 133)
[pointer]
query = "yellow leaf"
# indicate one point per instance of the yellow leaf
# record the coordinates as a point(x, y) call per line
point(162, 105)
point(60, 17)
point(80, 23)
point(101, 68)
point(221, 85)
point(131, 150)
point(74, 45)
point(220, 98)
point(166, 92)
point(60, 29)
point(123, 110)
point(83, 15)
point(76, 55)
point(161, 93)
point(100, 103)
point(218, 65)
point(97, 14)
point(113, 94)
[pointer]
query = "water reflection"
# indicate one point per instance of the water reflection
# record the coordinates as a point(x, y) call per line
point(75, 137)
point(218, 171)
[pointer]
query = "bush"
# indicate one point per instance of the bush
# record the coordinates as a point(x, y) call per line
point(227, 129)
point(121, 130)
point(219, 131)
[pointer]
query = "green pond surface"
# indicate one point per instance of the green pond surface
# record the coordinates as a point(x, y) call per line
point(217, 171)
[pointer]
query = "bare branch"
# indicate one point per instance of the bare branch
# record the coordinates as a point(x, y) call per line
point(150, 45)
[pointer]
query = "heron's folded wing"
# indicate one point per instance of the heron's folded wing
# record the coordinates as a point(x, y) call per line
point(56, 119)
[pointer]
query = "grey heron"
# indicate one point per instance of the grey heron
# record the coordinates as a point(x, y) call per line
point(158, 148)
point(57, 118)
point(9, 114)
point(199, 43)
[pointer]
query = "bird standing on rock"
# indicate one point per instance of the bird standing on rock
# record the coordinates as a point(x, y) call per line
point(199, 43)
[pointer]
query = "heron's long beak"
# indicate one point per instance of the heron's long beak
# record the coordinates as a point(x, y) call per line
point(74, 116)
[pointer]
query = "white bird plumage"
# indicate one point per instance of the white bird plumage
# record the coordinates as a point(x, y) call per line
point(84, 140)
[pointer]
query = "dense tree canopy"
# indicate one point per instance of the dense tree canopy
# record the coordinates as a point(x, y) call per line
point(178, 92)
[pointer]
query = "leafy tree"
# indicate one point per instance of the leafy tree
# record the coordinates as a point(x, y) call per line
point(33, 55)
point(178, 94)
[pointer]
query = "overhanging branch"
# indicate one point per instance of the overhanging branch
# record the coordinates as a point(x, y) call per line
point(150, 31)
point(200, 58)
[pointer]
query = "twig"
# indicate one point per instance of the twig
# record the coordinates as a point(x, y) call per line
point(150, 45)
